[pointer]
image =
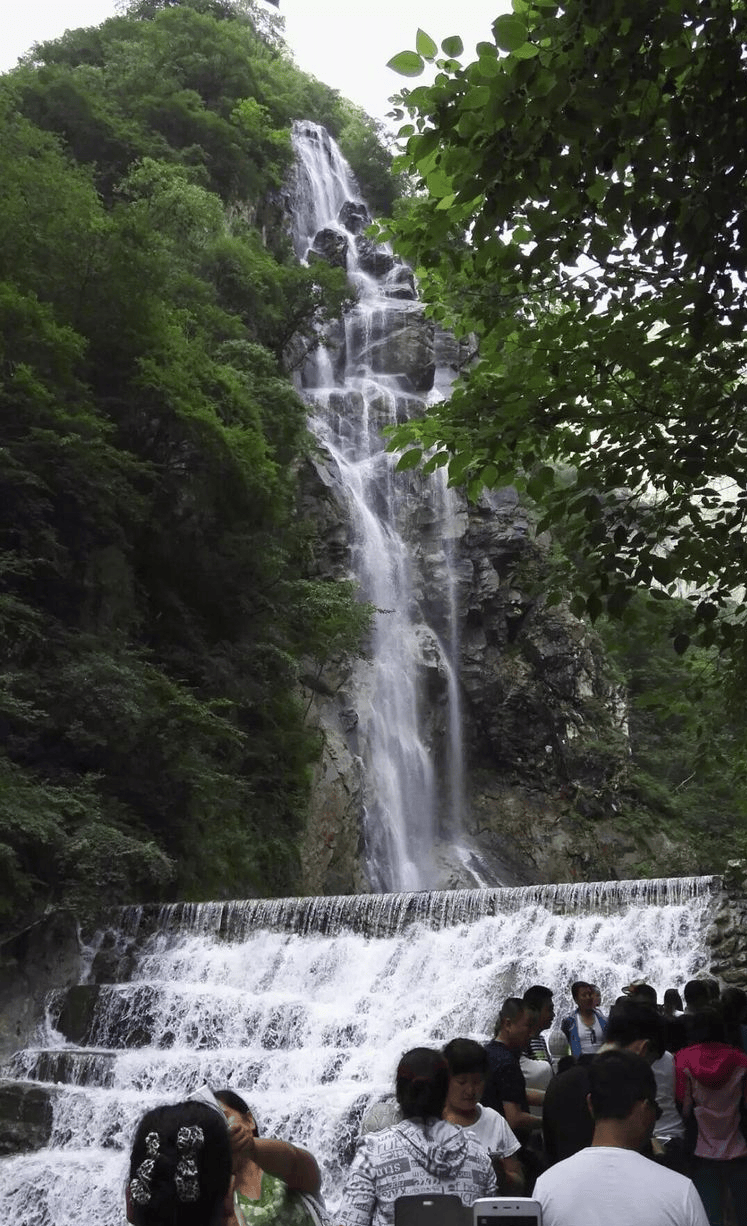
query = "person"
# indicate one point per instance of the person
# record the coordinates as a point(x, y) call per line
point(180, 1168)
point(733, 1005)
point(697, 995)
point(539, 1000)
point(672, 1006)
point(669, 1130)
point(711, 1086)
point(505, 1090)
point(423, 1154)
point(566, 1124)
point(610, 1180)
point(584, 1029)
point(274, 1181)
point(468, 1070)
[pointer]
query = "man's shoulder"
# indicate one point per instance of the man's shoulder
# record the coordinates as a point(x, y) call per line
point(498, 1053)
point(629, 1161)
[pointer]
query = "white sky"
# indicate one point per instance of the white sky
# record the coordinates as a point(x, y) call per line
point(342, 43)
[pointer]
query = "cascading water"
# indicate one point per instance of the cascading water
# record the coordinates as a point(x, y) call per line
point(305, 1005)
point(373, 375)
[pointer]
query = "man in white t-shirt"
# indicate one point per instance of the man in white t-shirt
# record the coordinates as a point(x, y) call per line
point(610, 1179)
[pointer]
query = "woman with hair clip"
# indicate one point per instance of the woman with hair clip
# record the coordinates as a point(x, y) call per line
point(275, 1182)
point(180, 1168)
point(422, 1155)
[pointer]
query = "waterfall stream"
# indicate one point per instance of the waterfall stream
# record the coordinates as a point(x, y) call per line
point(382, 368)
point(306, 1005)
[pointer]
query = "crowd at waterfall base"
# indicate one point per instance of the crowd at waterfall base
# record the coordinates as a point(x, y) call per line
point(634, 1099)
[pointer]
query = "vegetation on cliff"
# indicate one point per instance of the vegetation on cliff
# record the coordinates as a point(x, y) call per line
point(582, 211)
point(154, 608)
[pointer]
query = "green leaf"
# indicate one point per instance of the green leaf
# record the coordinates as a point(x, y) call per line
point(453, 46)
point(407, 64)
point(410, 459)
point(476, 98)
point(425, 45)
point(510, 32)
point(526, 51)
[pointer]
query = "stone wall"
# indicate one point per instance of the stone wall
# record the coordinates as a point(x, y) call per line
point(728, 932)
point(45, 955)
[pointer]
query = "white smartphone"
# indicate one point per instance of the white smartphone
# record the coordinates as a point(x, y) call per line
point(507, 1211)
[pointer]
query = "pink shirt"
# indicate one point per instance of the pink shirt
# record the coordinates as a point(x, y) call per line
point(712, 1082)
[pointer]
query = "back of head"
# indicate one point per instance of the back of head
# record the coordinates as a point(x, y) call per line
point(644, 994)
point(672, 1000)
point(696, 994)
point(706, 1026)
point(536, 997)
point(421, 1084)
point(630, 1021)
point(617, 1081)
point(180, 1166)
point(466, 1056)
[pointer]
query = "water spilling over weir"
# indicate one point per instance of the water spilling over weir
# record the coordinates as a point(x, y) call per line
point(306, 1005)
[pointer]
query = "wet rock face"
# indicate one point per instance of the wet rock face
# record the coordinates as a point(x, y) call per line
point(398, 342)
point(25, 1117)
point(354, 216)
point(40, 958)
point(332, 246)
point(727, 936)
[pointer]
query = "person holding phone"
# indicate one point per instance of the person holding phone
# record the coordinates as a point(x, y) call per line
point(468, 1069)
point(599, 1181)
point(275, 1182)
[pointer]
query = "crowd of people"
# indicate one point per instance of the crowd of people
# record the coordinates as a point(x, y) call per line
point(641, 1109)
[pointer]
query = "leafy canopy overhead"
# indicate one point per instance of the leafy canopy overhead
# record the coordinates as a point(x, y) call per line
point(583, 213)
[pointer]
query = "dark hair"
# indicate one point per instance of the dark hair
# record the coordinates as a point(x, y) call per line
point(536, 996)
point(733, 1004)
point(697, 994)
point(706, 1026)
point(672, 999)
point(233, 1100)
point(421, 1083)
point(617, 1081)
point(644, 994)
point(630, 1021)
point(580, 983)
point(511, 1009)
point(165, 1189)
point(466, 1056)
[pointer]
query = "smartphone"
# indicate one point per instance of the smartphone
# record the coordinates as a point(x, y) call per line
point(507, 1211)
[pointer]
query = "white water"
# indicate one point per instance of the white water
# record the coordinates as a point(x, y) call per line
point(409, 803)
point(311, 1026)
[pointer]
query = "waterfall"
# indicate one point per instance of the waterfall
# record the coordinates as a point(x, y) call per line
point(380, 368)
point(305, 1005)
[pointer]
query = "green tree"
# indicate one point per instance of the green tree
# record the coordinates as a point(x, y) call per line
point(156, 621)
point(582, 213)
